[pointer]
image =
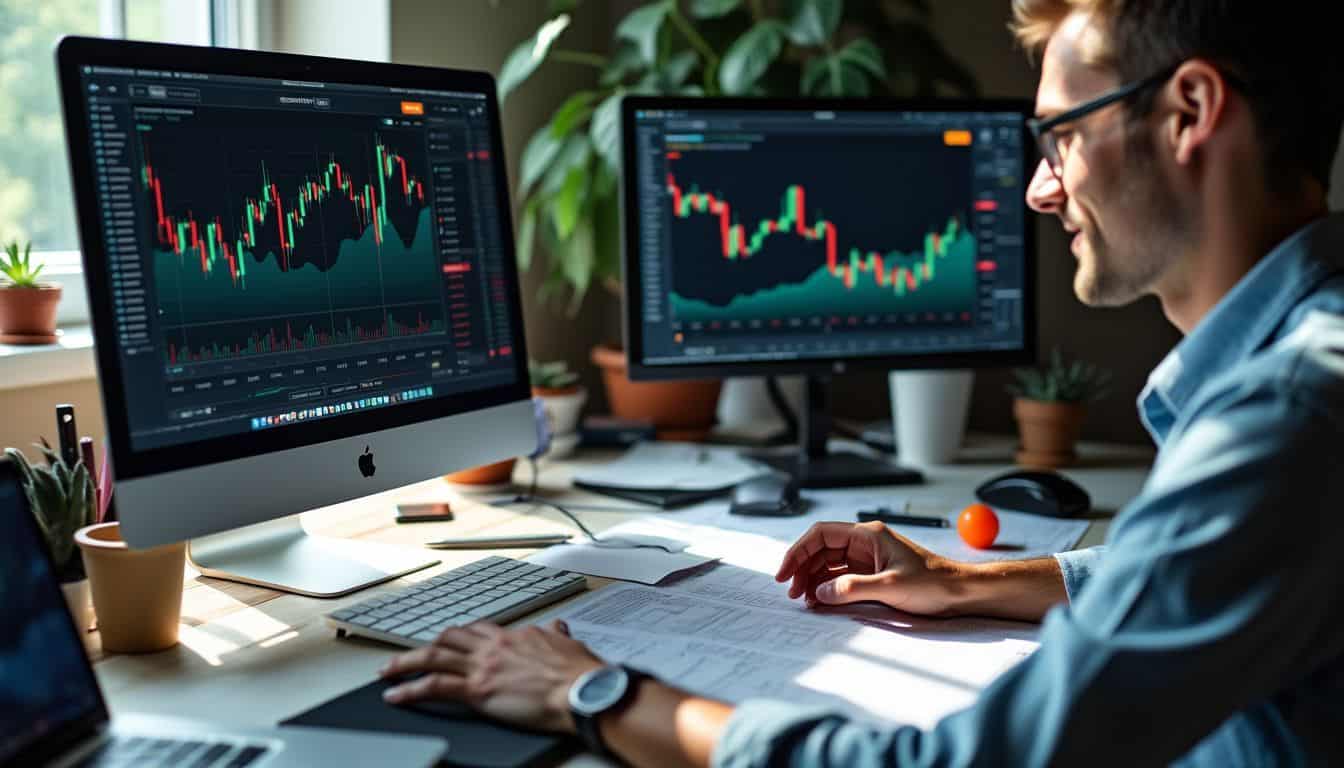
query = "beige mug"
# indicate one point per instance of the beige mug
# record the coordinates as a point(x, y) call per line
point(137, 593)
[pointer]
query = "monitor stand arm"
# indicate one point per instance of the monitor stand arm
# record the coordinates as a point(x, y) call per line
point(816, 467)
point(280, 554)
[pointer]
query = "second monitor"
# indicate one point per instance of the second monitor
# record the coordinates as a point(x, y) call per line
point(771, 237)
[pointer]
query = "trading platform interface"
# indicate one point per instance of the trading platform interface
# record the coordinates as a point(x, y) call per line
point(779, 235)
point(280, 250)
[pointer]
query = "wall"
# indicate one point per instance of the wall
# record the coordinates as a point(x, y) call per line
point(29, 413)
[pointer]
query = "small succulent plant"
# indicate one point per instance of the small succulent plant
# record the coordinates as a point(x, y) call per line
point(17, 267)
point(552, 375)
point(1077, 382)
point(62, 499)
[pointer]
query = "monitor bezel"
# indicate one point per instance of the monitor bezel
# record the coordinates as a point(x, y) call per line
point(66, 737)
point(632, 308)
point(74, 53)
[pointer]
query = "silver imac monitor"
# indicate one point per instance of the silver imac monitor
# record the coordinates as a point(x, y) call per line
point(302, 283)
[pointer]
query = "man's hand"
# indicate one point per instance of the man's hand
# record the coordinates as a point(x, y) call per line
point(837, 563)
point(518, 675)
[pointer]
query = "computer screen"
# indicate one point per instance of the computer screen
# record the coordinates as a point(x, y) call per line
point(284, 250)
point(791, 233)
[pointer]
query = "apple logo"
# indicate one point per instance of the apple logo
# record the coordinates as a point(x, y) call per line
point(366, 467)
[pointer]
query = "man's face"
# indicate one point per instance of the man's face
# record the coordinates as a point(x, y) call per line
point(1113, 197)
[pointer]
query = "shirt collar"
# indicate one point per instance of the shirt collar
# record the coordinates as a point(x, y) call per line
point(1242, 322)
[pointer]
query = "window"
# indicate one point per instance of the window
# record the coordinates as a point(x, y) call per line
point(35, 200)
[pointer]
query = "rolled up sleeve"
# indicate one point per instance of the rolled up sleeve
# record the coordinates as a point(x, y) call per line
point(1077, 567)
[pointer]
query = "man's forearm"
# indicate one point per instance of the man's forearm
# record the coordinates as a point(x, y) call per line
point(1015, 589)
point(665, 726)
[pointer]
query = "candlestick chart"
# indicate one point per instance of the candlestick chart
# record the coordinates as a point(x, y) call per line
point(287, 244)
point(759, 235)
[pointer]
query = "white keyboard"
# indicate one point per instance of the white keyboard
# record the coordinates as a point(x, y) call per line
point(496, 589)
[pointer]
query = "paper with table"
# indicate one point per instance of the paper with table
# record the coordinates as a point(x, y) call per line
point(729, 631)
point(673, 466)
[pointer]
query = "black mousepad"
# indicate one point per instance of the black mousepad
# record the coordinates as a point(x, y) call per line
point(472, 739)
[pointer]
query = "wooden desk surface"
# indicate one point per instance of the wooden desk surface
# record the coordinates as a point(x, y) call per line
point(254, 656)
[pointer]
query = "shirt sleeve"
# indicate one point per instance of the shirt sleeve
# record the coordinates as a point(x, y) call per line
point(1208, 601)
point(1077, 566)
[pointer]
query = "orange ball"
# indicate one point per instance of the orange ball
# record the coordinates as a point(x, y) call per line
point(978, 526)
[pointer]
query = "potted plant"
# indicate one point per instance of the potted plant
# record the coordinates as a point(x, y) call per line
point(62, 500)
point(567, 186)
point(27, 307)
point(1050, 406)
point(562, 400)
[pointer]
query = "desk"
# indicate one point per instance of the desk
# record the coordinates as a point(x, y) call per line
point(254, 656)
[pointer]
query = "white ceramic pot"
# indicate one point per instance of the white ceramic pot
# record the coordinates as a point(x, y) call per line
point(745, 400)
point(929, 410)
point(79, 599)
point(562, 417)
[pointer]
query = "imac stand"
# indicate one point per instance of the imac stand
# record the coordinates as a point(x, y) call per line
point(816, 467)
point(280, 554)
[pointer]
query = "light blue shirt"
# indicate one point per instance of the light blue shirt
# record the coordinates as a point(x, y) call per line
point(1211, 630)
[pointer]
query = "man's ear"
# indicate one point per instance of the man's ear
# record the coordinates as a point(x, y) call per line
point(1197, 95)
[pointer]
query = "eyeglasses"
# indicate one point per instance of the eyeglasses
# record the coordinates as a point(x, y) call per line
point(1051, 141)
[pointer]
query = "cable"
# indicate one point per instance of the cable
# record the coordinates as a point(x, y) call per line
point(531, 497)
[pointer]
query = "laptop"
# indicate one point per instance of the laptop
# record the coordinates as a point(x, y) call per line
point(52, 711)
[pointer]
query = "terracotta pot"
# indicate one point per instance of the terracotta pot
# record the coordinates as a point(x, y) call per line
point(679, 410)
point(28, 315)
point(79, 599)
point(137, 593)
point(486, 474)
point(1049, 432)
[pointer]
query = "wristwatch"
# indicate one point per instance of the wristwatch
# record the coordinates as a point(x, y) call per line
point(598, 691)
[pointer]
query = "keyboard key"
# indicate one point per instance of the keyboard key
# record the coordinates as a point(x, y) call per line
point(499, 606)
point(211, 755)
point(246, 756)
point(387, 625)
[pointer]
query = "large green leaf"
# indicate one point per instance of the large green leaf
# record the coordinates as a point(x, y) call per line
point(865, 55)
point(527, 234)
point(812, 22)
point(623, 61)
point(642, 26)
point(605, 130)
point(575, 110)
point(830, 75)
point(538, 155)
point(677, 68)
point(579, 259)
point(568, 202)
point(606, 238)
point(575, 152)
point(713, 9)
point(748, 58)
point(529, 54)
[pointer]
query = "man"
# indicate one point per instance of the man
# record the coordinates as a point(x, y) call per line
point(1188, 146)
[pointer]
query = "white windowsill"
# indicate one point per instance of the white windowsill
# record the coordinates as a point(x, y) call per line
point(69, 359)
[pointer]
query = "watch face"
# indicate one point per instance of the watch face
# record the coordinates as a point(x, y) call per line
point(601, 689)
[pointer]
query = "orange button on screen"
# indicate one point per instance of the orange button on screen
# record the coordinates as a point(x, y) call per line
point(957, 138)
point(412, 108)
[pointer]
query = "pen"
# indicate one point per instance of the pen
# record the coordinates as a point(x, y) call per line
point(887, 516)
point(65, 432)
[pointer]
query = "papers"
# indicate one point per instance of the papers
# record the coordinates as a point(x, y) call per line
point(1020, 535)
point(673, 466)
point(730, 633)
point(646, 565)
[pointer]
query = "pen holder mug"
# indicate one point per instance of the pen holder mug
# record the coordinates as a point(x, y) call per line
point(137, 593)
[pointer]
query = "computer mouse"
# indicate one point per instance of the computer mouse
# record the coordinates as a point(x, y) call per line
point(770, 495)
point(1039, 492)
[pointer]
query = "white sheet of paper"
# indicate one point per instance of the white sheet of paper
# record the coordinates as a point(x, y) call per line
point(644, 565)
point(673, 466)
point(730, 633)
point(1020, 535)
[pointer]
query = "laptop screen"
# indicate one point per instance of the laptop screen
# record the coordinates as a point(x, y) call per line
point(46, 684)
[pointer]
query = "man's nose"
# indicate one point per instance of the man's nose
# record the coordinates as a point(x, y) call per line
point(1045, 193)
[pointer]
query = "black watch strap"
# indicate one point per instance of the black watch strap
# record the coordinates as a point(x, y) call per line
point(587, 726)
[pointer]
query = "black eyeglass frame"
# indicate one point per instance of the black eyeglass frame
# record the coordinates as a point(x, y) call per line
point(1041, 128)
